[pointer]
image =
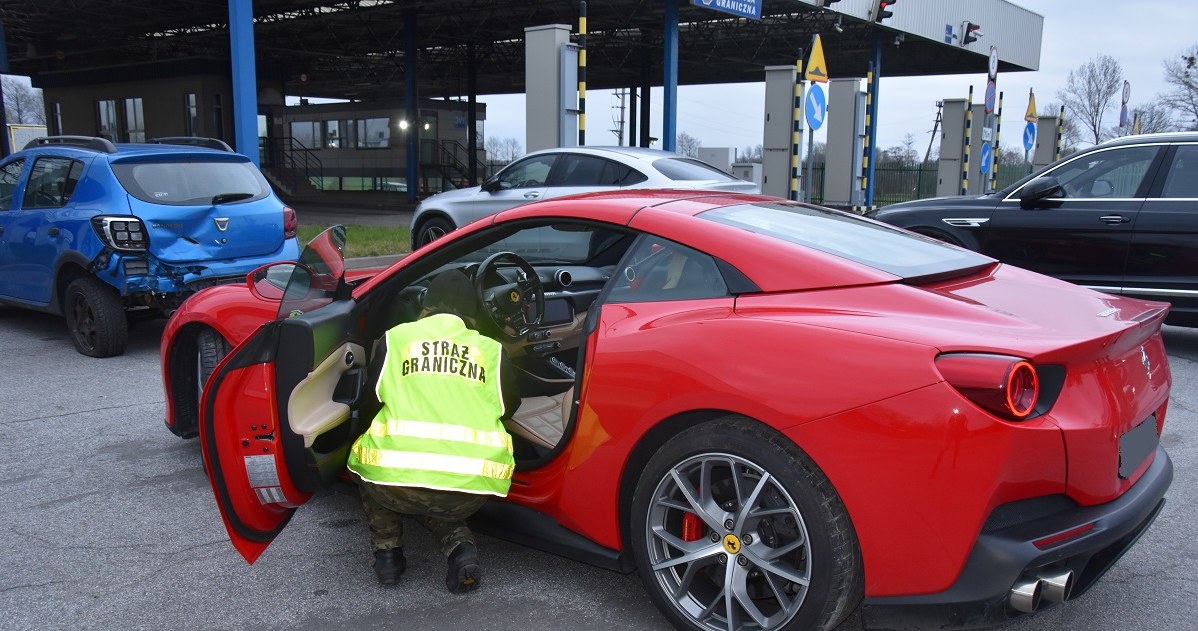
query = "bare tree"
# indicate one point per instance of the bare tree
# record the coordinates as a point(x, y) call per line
point(503, 150)
point(1181, 72)
point(22, 102)
point(751, 153)
point(688, 145)
point(1155, 117)
point(1089, 92)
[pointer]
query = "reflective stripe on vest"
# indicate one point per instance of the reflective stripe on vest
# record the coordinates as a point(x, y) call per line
point(439, 426)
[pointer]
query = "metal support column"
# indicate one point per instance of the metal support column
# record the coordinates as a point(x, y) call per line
point(582, 73)
point(472, 113)
point(245, 79)
point(411, 104)
point(872, 151)
point(646, 90)
point(669, 101)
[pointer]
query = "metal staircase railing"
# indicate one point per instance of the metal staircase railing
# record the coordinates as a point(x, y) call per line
point(294, 163)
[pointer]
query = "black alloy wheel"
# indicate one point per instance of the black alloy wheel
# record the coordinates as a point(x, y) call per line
point(95, 318)
point(734, 529)
point(431, 230)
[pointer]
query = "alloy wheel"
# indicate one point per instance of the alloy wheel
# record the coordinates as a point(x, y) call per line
point(728, 544)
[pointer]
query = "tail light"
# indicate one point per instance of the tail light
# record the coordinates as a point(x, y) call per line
point(290, 223)
point(1003, 385)
point(121, 232)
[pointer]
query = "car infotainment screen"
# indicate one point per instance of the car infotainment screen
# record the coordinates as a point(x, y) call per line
point(557, 311)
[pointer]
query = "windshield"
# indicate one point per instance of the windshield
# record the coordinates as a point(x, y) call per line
point(564, 244)
point(191, 181)
point(314, 280)
point(879, 246)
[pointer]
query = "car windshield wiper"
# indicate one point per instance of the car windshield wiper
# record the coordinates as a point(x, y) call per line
point(224, 198)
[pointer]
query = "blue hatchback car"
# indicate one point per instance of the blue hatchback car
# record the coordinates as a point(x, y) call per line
point(101, 232)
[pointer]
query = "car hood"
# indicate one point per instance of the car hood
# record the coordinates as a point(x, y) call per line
point(183, 234)
point(458, 193)
point(962, 201)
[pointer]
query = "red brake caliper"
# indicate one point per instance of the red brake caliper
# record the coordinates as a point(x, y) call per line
point(692, 527)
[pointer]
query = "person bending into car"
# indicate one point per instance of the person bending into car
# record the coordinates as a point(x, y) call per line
point(437, 448)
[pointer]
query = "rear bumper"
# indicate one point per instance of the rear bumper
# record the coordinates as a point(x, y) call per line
point(1004, 555)
point(146, 280)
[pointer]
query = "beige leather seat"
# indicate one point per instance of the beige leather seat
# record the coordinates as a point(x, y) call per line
point(542, 420)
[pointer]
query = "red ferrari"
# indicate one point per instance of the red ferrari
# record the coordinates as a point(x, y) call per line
point(774, 412)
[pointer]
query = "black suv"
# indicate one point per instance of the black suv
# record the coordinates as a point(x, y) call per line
point(1120, 217)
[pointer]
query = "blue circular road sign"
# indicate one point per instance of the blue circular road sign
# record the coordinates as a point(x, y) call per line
point(816, 106)
point(1029, 136)
point(991, 96)
point(986, 158)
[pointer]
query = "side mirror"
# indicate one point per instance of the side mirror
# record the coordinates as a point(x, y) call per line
point(1038, 190)
point(491, 185)
point(269, 282)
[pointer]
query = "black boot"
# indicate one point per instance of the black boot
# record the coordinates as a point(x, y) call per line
point(464, 570)
point(389, 564)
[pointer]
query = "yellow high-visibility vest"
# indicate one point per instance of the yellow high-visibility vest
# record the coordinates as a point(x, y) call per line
point(439, 427)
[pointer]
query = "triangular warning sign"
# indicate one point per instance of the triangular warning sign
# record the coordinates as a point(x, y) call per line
point(1030, 116)
point(817, 68)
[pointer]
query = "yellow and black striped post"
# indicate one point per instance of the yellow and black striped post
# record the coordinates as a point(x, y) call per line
point(796, 130)
point(968, 133)
point(869, 97)
point(997, 136)
point(582, 73)
point(1056, 155)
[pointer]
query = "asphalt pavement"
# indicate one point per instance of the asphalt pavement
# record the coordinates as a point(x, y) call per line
point(109, 523)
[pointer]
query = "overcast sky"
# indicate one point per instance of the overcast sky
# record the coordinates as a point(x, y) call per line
point(1139, 34)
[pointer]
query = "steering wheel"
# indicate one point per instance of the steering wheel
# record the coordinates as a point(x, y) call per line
point(509, 306)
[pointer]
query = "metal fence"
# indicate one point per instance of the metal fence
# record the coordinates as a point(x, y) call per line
point(901, 184)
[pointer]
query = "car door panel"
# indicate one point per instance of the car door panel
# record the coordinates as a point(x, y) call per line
point(263, 463)
point(1163, 262)
point(1084, 235)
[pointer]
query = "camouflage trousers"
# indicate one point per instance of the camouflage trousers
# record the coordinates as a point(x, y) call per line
point(444, 513)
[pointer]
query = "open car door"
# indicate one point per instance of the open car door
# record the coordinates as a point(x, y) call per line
point(277, 416)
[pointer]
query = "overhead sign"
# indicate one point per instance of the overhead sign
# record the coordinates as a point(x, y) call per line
point(1029, 136)
point(986, 158)
point(817, 68)
point(1030, 116)
point(740, 8)
point(815, 106)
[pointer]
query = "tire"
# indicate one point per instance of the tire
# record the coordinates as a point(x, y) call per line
point(211, 347)
point(730, 469)
point(95, 318)
point(431, 230)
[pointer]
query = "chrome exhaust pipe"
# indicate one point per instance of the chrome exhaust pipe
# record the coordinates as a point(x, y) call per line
point(1057, 587)
point(1025, 596)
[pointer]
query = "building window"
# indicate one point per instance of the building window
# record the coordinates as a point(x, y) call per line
point(306, 133)
point(218, 118)
point(191, 115)
point(135, 120)
point(335, 133)
point(106, 119)
point(373, 133)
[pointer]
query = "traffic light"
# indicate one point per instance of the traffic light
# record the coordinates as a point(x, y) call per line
point(882, 11)
point(970, 32)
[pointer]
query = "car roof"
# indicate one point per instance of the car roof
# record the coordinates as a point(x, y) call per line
point(641, 153)
point(1141, 139)
point(79, 146)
